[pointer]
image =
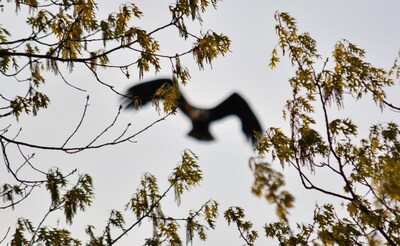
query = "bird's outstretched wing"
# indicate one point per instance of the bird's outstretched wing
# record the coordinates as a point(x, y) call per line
point(143, 93)
point(236, 105)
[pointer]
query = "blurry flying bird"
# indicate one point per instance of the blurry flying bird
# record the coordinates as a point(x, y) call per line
point(201, 118)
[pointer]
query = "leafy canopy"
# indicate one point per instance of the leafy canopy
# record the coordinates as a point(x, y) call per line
point(366, 166)
point(70, 33)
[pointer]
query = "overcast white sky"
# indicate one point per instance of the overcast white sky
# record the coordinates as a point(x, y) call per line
point(373, 25)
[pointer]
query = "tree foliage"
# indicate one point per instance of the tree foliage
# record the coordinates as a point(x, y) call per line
point(366, 164)
point(70, 33)
point(64, 35)
point(144, 204)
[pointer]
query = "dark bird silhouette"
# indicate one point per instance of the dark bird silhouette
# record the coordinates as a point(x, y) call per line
point(201, 118)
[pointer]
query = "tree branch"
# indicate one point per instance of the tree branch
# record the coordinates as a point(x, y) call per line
point(154, 205)
point(73, 150)
point(80, 122)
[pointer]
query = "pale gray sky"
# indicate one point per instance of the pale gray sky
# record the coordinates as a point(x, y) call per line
point(373, 25)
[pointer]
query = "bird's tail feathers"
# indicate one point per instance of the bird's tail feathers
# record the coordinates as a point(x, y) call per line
point(201, 134)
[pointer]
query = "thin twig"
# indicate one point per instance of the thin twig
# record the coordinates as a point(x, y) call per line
point(27, 160)
point(5, 236)
point(107, 128)
point(123, 133)
point(20, 200)
point(80, 122)
point(9, 169)
point(66, 82)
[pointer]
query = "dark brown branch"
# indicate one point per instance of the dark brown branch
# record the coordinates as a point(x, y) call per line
point(123, 132)
point(80, 122)
point(5, 52)
point(72, 150)
point(379, 228)
point(242, 235)
point(145, 215)
point(5, 236)
point(12, 204)
point(52, 208)
point(9, 169)
point(103, 83)
point(397, 109)
point(27, 160)
point(182, 219)
point(107, 128)
point(329, 137)
point(66, 82)
point(310, 186)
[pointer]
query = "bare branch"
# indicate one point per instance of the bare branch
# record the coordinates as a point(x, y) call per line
point(69, 84)
point(123, 133)
point(72, 150)
point(27, 160)
point(107, 128)
point(5, 236)
point(80, 122)
point(309, 185)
